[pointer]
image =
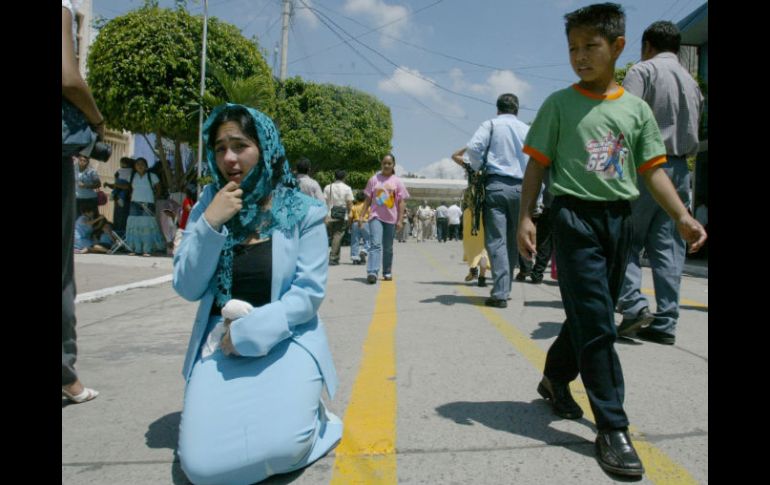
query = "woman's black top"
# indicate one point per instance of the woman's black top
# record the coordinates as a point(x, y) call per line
point(252, 274)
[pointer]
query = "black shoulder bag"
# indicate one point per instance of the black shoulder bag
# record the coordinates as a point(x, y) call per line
point(76, 132)
point(476, 183)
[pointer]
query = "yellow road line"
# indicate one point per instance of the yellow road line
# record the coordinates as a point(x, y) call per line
point(683, 301)
point(659, 468)
point(367, 453)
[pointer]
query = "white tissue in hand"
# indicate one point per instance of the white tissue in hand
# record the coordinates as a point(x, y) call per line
point(235, 309)
point(212, 342)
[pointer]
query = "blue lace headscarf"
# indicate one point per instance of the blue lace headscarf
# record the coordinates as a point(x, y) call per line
point(271, 176)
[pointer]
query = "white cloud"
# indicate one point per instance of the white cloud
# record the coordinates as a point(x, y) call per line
point(379, 13)
point(303, 13)
point(501, 82)
point(497, 83)
point(443, 169)
point(419, 86)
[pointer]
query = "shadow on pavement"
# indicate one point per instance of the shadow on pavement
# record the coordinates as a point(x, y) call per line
point(546, 330)
point(164, 433)
point(455, 299)
point(693, 307)
point(459, 282)
point(360, 280)
point(531, 420)
point(548, 304)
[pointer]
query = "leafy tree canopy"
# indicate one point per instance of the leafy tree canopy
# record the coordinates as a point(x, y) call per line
point(144, 69)
point(334, 126)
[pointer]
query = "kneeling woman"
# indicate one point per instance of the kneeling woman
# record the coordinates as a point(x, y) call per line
point(254, 252)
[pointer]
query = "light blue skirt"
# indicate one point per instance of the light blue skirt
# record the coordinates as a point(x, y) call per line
point(247, 418)
point(143, 234)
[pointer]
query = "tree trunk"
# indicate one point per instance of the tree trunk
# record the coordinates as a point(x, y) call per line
point(179, 182)
point(166, 170)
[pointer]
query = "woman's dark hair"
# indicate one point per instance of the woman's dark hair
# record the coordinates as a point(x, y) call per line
point(608, 19)
point(389, 154)
point(241, 117)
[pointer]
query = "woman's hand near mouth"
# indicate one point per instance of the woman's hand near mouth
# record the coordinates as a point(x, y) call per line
point(225, 205)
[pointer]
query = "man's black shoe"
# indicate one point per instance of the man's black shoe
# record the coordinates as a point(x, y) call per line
point(652, 335)
point(371, 278)
point(482, 281)
point(521, 276)
point(561, 399)
point(536, 279)
point(631, 325)
point(496, 303)
point(616, 454)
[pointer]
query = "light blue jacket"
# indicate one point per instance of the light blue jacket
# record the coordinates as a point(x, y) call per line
point(300, 265)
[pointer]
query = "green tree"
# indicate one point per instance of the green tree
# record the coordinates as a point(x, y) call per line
point(620, 73)
point(144, 71)
point(257, 91)
point(335, 127)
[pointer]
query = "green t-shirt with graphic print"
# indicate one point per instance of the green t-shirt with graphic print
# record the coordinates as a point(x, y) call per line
point(595, 145)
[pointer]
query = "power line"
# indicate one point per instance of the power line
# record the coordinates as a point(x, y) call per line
point(266, 4)
point(397, 66)
point(369, 31)
point(376, 68)
point(448, 56)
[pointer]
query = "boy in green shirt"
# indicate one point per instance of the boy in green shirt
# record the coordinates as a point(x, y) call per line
point(596, 139)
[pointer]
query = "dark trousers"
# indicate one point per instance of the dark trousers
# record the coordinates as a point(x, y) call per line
point(544, 242)
point(442, 228)
point(592, 246)
point(68, 346)
point(336, 228)
point(120, 217)
point(454, 232)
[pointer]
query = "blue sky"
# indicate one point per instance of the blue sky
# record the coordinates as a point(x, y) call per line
point(438, 64)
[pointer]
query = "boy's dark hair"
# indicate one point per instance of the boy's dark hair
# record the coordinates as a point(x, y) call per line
point(663, 36)
point(340, 174)
point(303, 165)
point(360, 196)
point(608, 19)
point(508, 103)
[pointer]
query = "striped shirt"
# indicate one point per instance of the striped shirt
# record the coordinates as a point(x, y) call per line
point(674, 97)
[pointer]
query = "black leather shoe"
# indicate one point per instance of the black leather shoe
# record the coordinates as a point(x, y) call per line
point(536, 279)
point(631, 325)
point(482, 281)
point(652, 335)
point(561, 399)
point(495, 302)
point(616, 454)
point(371, 278)
point(521, 276)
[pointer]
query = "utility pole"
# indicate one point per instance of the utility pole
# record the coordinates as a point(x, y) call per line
point(285, 38)
point(203, 89)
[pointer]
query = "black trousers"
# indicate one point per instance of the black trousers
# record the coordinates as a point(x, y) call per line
point(69, 348)
point(592, 247)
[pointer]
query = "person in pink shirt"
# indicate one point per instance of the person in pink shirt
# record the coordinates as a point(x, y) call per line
point(386, 195)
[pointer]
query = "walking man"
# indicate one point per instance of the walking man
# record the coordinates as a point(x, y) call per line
point(676, 103)
point(504, 137)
